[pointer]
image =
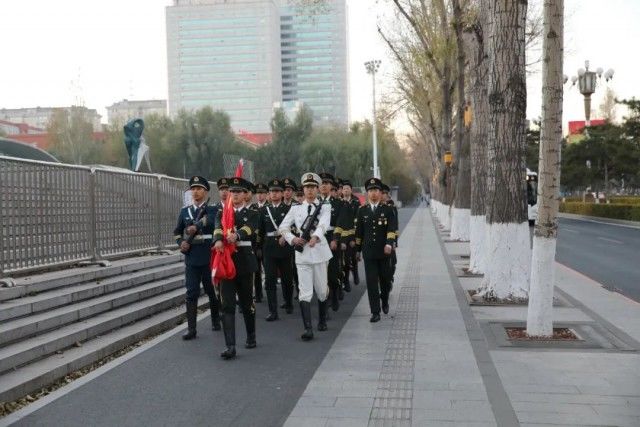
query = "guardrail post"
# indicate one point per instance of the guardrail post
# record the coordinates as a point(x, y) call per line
point(96, 257)
point(93, 221)
point(158, 215)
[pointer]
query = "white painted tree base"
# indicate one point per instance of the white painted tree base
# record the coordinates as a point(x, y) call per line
point(445, 217)
point(477, 241)
point(508, 261)
point(540, 310)
point(460, 224)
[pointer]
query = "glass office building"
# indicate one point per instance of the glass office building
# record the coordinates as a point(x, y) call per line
point(226, 55)
point(314, 61)
point(245, 56)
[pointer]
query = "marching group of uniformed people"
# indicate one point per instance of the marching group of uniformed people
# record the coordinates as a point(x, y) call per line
point(307, 237)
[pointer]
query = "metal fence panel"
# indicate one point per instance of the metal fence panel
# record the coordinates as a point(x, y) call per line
point(124, 212)
point(43, 213)
point(171, 192)
point(54, 214)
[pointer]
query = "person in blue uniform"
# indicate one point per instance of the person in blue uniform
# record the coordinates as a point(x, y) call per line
point(376, 226)
point(193, 234)
point(244, 259)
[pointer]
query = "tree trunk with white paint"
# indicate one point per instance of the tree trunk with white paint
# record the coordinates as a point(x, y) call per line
point(461, 213)
point(509, 255)
point(540, 310)
point(478, 65)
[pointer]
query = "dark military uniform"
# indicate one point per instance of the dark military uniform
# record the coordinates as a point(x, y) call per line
point(348, 236)
point(257, 279)
point(244, 259)
point(375, 228)
point(222, 184)
point(197, 259)
point(289, 183)
point(394, 257)
point(334, 233)
point(276, 258)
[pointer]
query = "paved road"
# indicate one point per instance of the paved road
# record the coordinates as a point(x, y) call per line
point(608, 254)
point(186, 383)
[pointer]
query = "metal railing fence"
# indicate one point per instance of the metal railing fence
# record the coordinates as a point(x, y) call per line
point(55, 214)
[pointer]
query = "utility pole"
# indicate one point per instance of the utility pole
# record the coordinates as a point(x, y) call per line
point(372, 68)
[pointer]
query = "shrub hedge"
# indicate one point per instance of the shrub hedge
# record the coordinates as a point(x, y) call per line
point(626, 211)
point(625, 200)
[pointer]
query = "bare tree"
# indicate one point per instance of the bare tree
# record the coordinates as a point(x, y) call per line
point(539, 315)
point(422, 40)
point(507, 272)
point(476, 38)
point(607, 108)
point(461, 218)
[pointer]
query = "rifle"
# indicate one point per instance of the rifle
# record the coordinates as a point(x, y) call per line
point(202, 211)
point(309, 223)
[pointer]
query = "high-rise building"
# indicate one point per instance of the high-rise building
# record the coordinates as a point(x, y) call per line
point(225, 54)
point(245, 56)
point(314, 60)
point(125, 110)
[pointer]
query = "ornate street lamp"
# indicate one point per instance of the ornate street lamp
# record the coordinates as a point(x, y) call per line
point(587, 81)
point(372, 68)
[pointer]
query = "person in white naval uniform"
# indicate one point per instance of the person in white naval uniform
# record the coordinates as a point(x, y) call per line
point(313, 260)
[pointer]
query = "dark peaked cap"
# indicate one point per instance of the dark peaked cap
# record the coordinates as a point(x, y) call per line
point(199, 181)
point(373, 183)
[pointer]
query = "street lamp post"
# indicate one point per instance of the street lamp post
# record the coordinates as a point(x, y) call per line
point(587, 81)
point(372, 68)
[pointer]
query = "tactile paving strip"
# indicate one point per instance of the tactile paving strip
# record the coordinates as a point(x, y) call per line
point(394, 396)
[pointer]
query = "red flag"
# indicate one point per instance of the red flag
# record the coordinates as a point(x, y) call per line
point(222, 266)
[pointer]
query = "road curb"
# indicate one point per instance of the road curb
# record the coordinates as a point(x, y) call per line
point(601, 220)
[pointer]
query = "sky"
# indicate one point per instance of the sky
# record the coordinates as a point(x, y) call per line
point(55, 53)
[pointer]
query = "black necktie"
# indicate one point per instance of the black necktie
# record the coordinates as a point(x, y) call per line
point(309, 210)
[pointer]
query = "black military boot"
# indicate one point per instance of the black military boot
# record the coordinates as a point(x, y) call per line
point(288, 300)
point(347, 285)
point(335, 304)
point(192, 316)
point(229, 327)
point(257, 281)
point(305, 310)
point(272, 301)
point(214, 306)
point(250, 325)
point(356, 279)
point(385, 306)
point(322, 315)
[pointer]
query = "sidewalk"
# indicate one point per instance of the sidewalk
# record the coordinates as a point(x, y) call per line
point(434, 361)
